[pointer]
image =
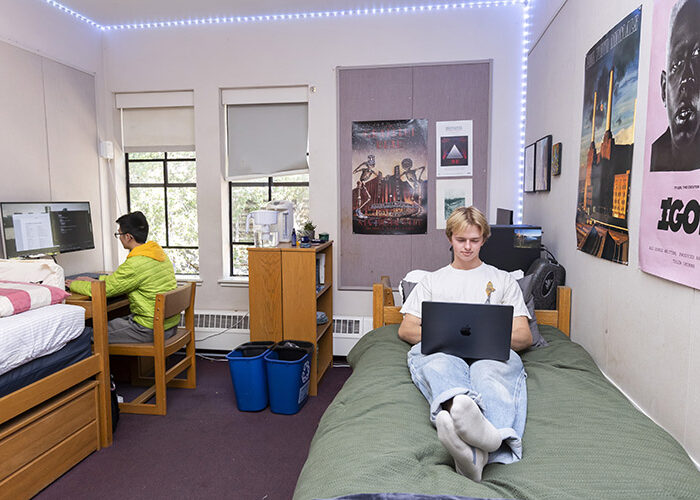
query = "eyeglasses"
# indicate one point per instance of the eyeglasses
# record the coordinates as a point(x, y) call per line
point(118, 234)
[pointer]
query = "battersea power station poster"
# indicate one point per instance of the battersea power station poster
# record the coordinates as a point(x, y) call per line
point(607, 142)
point(390, 177)
point(669, 234)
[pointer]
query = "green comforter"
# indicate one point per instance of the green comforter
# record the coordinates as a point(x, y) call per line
point(583, 438)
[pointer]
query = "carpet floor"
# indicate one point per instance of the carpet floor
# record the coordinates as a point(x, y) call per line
point(203, 448)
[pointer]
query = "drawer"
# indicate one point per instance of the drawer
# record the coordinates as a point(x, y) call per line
point(37, 475)
point(40, 430)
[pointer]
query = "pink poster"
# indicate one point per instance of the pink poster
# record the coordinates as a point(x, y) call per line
point(669, 239)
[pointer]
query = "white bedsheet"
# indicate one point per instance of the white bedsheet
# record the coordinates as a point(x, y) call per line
point(38, 332)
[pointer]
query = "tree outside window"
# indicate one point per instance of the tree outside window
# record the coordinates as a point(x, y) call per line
point(163, 185)
point(247, 196)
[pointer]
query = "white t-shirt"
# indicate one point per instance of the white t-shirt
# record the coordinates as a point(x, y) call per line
point(482, 285)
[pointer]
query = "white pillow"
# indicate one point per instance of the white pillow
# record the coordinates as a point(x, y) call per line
point(409, 281)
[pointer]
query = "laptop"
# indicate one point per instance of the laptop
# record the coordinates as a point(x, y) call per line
point(471, 331)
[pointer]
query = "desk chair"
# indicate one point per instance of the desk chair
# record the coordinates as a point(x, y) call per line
point(167, 304)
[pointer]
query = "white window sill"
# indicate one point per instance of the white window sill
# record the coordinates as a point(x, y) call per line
point(234, 281)
point(189, 278)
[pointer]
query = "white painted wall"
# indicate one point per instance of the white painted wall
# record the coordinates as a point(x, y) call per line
point(641, 330)
point(208, 58)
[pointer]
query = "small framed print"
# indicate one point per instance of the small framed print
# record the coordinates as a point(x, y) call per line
point(556, 159)
point(543, 162)
point(529, 174)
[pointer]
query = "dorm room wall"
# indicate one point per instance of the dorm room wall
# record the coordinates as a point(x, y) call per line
point(208, 58)
point(641, 330)
point(47, 98)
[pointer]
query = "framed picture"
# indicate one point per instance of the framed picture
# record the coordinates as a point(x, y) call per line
point(556, 159)
point(543, 162)
point(529, 180)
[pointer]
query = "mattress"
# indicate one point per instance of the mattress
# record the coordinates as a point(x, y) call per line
point(38, 332)
point(583, 438)
point(76, 350)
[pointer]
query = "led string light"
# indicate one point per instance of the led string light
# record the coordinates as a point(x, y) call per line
point(355, 13)
point(523, 109)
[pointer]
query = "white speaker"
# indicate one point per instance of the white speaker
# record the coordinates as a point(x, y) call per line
point(107, 150)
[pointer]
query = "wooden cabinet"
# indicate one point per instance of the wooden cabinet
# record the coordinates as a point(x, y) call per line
point(287, 286)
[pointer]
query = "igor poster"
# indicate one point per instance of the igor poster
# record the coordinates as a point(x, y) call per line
point(390, 177)
point(669, 240)
point(607, 142)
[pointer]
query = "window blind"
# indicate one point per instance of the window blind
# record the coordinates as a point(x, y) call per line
point(266, 139)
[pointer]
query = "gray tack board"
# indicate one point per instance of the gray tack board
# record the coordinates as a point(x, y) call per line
point(439, 92)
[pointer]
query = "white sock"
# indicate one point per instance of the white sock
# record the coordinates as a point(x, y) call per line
point(469, 461)
point(471, 425)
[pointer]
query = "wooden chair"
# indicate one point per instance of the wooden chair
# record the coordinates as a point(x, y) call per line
point(167, 304)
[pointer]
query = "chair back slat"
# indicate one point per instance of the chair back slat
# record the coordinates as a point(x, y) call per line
point(177, 300)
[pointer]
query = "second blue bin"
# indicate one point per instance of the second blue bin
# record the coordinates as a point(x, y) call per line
point(288, 366)
point(248, 374)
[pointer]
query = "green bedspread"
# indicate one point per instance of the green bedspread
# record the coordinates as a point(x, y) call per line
point(583, 438)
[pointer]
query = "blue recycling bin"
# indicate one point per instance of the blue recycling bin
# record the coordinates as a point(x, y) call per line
point(288, 366)
point(247, 366)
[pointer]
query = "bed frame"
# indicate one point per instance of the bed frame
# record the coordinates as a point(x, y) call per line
point(384, 312)
point(52, 424)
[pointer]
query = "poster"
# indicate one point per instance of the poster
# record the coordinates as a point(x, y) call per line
point(451, 194)
point(453, 148)
point(543, 152)
point(670, 214)
point(529, 173)
point(390, 177)
point(607, 142)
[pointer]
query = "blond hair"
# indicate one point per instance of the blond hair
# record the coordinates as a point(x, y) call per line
point(467, 216)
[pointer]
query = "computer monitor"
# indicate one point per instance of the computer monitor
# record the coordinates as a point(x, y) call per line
point(48, 228)
point(512, 247)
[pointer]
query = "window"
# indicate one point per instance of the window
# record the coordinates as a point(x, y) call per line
point(246, 196)
point(164, 187)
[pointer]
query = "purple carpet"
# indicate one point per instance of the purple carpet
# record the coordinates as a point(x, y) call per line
point(203, 448)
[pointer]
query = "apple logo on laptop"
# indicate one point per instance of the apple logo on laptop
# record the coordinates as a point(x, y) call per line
point(466, 330)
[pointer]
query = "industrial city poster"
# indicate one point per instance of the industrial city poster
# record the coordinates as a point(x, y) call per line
point(670, 212)
point(607, 142)
point(390, 177)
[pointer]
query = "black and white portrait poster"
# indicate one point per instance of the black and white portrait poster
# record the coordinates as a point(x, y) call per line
point(607, 141)
point(390, 177)
point(454, 148)
point(669, 239)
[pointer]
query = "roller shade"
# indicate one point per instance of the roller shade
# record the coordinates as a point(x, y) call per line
point(266, 139)
point(158, 129)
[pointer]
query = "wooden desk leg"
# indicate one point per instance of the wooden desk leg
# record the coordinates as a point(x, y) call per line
point(100, 342)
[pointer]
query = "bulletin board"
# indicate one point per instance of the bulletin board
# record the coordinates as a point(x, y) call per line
point(436, 93)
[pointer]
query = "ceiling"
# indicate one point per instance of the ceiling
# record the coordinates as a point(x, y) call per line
point(111, 12)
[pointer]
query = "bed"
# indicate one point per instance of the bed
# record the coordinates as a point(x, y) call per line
point(583, 438)
point(49, 425)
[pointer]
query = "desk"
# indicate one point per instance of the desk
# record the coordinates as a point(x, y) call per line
point(98, 308)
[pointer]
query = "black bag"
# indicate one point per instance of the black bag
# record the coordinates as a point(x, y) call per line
point(115, 402)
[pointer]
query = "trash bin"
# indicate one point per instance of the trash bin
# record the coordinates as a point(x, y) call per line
point(288, 366)
point(247, 366)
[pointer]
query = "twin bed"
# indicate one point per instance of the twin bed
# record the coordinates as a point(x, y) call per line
point(54, 406)
point(583, 438)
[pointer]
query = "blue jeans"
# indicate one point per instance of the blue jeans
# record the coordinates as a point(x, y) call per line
point(497, 387)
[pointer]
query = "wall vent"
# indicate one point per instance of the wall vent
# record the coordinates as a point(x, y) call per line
point(347, 330)
point(220, 320)
point(347, 326)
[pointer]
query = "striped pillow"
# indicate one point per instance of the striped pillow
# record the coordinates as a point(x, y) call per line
point(16, 297)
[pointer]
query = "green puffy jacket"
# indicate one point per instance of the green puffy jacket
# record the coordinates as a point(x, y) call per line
point(146, 272)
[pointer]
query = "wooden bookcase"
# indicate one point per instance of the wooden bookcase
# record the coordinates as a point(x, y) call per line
point(284, 298)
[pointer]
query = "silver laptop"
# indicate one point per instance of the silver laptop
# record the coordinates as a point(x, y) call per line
point(470, 331)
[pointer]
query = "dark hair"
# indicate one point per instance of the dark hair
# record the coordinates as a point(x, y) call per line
point(135, 224)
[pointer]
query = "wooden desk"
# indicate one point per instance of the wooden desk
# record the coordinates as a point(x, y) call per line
point(97, 308)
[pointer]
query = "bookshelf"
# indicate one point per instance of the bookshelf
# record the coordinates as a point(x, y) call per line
point(287, 287)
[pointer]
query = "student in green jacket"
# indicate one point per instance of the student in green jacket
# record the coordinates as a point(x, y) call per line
point(146, 272)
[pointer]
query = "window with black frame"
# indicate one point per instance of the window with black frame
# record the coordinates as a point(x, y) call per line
point(163, 185)
point(246, 196)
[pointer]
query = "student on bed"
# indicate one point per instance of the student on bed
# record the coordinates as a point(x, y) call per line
point(147, 271)
point(479, 409)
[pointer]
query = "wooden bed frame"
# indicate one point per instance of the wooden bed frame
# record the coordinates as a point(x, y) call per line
point(384, 312)
point(52, 424)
